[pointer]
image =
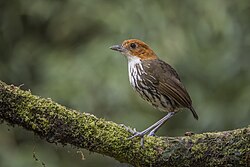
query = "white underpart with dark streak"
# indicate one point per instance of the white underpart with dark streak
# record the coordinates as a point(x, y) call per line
point(132, 71)
point(135, 70)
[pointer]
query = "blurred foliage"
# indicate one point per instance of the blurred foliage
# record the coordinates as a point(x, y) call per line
point(60, 49)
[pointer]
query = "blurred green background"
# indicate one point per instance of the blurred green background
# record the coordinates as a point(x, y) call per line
point(60, 49)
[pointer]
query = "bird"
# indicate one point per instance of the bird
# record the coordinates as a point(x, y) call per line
point(155, 81)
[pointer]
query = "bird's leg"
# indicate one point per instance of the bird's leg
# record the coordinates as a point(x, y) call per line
point(169, 115)
point(141, 134)
point(154, 126)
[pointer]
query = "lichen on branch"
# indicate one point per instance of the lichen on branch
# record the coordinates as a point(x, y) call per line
point(58, 124)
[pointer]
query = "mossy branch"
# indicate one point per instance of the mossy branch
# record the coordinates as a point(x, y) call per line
point(57, 124)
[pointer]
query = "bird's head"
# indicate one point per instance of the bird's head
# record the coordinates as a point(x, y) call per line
point(134, 48)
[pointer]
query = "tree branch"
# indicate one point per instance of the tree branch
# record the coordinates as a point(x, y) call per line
point(57, 124)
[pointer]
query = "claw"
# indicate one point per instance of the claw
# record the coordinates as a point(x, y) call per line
point(142, 142)
point(130, 130)
point(151, 133)
point(138, 134)
point(135, 133)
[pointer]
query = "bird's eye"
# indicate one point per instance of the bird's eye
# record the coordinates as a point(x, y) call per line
point(133, 45)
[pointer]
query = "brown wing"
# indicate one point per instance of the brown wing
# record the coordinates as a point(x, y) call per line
point(169, 84)
point(174, 89)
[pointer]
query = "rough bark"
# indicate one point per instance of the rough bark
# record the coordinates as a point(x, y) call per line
point(57, 124)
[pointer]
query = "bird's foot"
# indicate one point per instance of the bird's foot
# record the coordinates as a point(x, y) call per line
point(138, 134)
point(130, 130)
point(152, 133)
point(135, 133)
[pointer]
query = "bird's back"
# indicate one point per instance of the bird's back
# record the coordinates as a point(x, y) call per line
point(159, 84)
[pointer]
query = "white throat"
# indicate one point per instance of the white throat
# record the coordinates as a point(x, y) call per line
point(133, 60)
point(134, 69)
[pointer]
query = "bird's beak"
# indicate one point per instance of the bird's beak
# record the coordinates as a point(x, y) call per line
point(118, 48)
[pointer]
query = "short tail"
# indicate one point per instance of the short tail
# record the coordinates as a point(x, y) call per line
point(194, 113)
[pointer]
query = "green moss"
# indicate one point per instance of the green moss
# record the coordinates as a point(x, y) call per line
point(33, 126)
point(57, 124)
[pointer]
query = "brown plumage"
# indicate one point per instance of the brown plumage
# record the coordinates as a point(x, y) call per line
point(155, 81)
